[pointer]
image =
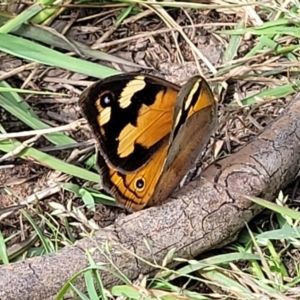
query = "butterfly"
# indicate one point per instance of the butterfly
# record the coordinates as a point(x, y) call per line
point(149, 133)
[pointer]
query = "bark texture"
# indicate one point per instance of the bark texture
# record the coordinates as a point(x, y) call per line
point(207, 213)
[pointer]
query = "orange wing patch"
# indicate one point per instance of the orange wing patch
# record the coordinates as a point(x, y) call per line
point(154, 123)
point(133, 190)
point(204, 100)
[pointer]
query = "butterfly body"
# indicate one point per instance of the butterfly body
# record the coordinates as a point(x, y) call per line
point(149, 133)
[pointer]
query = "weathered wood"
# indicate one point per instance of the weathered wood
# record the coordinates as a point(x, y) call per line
point(202, 216)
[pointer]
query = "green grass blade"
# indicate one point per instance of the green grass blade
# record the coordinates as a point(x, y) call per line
point(125, 13)
point(50, 161)
point(38, 229)
point(274, 207)
point(54, 39)
point(23, 91)
point(26, 49)
point(3, 250)
point(273, 93)
point(233, 45)
point(24, 16)
point(46, 13)
point(22, 111)
point(278, 234)
point(232, 286)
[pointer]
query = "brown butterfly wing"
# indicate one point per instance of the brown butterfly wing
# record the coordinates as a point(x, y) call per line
point(129, 115)
point(192, 125)
point(133, 190)
point(195, 119)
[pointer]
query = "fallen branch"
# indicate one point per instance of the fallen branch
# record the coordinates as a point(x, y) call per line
point(205, 214)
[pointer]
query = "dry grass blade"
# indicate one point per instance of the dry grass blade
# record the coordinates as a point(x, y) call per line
point(171, 23)
point(72, 126)
point(51, 37)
